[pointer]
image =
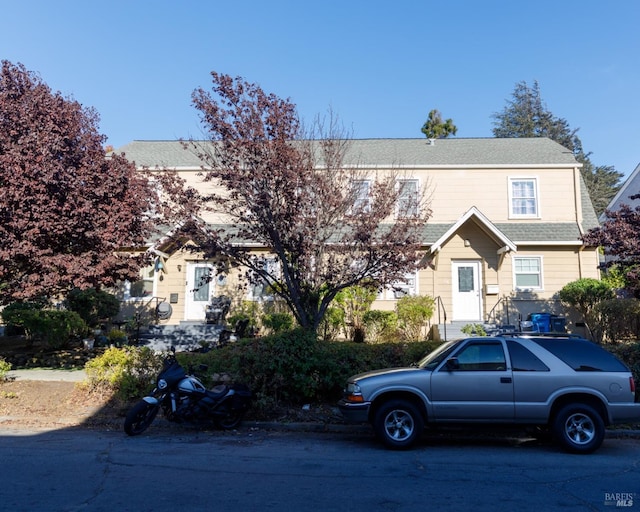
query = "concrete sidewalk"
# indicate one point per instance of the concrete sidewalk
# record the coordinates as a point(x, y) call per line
point(47, 375)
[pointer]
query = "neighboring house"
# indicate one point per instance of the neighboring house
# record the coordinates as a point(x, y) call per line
point(503, 239)
point(629, 188)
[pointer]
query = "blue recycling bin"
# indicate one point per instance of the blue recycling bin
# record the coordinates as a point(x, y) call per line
point(542, 321)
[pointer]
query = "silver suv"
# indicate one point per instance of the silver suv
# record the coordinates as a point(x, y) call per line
point(568, 385)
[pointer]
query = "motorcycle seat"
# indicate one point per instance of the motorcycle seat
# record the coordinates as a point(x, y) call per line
point(217, 391)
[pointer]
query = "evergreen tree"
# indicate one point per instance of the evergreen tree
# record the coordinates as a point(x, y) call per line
point(526, 115)
point(435, 128)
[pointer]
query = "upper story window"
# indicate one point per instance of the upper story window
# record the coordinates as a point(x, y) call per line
point(523, 197)
point(527, 272)
point(362, 200)
point(407, 199)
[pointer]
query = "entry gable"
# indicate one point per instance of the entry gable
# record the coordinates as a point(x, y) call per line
point(505, 244)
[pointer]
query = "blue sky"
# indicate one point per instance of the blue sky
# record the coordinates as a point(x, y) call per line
point(381, 66)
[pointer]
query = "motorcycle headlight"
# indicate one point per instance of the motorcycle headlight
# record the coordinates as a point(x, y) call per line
point(162, 383)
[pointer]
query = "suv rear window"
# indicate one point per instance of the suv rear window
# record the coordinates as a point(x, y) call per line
point(582, 355)
point(522, 360)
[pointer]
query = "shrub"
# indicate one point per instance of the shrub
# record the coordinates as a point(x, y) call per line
point(129, 372)
point(295, 367)
point(93, 306)
point(630, 354)
point(355, 301)
point(381, 326)
point(117, 337)
point(414, 312)
point(4, 368)
point(474, 329)
point(283, 366)
point(277, 322)
point(14, 316)
point(52, 327)
point(585, 294)
point(332, 323)
point(246, 310)
point(619, 319)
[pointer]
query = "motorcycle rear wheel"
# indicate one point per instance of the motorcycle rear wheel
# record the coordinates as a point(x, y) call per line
point(230, 420)
point(140, 417)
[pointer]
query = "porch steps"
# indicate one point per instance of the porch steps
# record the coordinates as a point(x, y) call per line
point(185, 336)
point(453, 329)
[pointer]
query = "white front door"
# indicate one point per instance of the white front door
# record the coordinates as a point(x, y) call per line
point(199, 290)
point(466, 292)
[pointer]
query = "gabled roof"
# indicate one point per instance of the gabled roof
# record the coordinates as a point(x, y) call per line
point(440, 153)
point(453, 153)
point(630, 187)
point(486, 224)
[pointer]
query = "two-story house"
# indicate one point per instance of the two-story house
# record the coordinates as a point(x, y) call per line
point(503, 239)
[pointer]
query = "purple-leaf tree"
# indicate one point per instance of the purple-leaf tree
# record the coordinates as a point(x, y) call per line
point(325, 222)
point(619, 235)
point(66, 210)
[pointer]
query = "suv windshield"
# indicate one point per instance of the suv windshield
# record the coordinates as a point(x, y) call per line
point(433, 359)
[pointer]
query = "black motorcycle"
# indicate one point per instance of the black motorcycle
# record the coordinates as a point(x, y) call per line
point(183, 398)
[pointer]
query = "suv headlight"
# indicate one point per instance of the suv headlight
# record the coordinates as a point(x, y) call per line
point(353, 392)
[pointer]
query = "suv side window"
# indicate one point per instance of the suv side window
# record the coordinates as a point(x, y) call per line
point(523, 360)
point(582, 355)
point(482, 357)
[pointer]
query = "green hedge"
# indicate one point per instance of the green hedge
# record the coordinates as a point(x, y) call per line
point(629, 353)
point(294, 367)
point(289, 368)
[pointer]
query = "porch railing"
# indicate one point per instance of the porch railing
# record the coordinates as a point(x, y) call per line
point(442, 315)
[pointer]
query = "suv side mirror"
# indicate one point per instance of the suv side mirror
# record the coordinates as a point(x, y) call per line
point(453, 364)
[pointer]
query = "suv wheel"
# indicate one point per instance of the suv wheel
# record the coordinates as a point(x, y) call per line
point(579, 428)
point(398, 424)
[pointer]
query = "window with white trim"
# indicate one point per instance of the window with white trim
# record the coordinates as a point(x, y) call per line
point(362, 199)
point(262, 291)
point(523, 197)
point(407, 205)
point(397, 290)
point(527, 272)
point(143, 287)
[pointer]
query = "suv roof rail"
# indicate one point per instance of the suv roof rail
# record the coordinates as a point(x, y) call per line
point(529, 334)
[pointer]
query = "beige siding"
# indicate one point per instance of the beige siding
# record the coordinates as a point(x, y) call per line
point(488, 190)
point(453, 192)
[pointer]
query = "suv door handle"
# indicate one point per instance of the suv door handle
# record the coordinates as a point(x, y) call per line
point(505, 380)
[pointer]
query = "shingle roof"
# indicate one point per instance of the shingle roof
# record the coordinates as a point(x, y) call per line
point(480, 152)
point(392, 152)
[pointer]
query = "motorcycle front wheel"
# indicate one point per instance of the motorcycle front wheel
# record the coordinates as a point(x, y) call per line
point(140, 417)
